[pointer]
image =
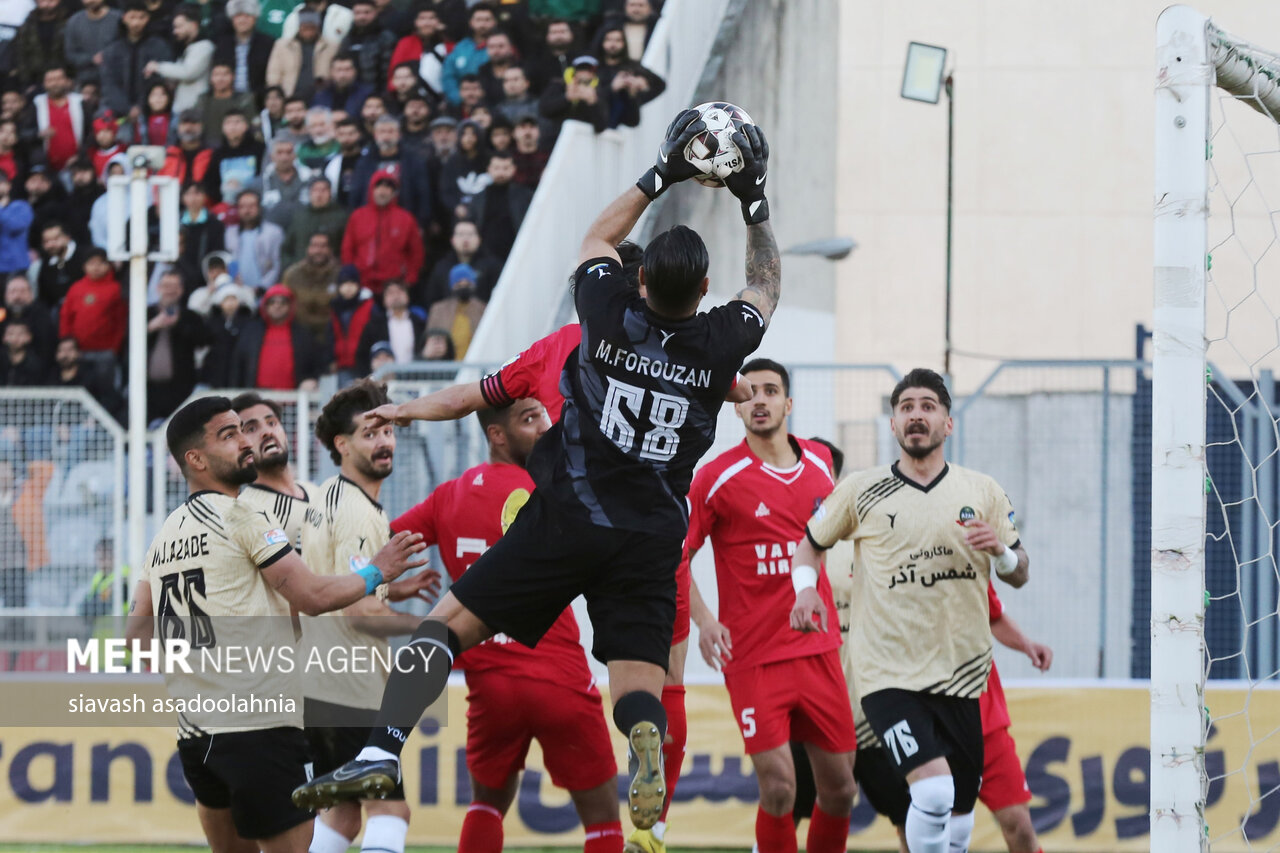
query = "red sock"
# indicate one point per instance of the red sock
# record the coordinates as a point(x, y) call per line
point(602, 838)
point(775, 834)
point(827, 834)
point(678, 729)
point(481, 830)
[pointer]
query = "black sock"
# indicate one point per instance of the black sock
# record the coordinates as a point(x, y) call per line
point(417, 679)
point(639, 706)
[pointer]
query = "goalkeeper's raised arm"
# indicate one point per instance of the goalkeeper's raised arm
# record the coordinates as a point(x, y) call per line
point(764, 265)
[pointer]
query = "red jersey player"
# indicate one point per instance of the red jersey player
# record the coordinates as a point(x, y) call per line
point(536, 373)
point(516, 693)
point(753, 502)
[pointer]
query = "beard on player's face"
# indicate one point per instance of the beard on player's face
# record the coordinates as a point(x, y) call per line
point(272, 454)
point(376, 465)
point(917, 440)
point(239, 472)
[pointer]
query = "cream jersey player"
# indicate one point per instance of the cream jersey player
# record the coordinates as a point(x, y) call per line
point(342, 536)
point(288, 512)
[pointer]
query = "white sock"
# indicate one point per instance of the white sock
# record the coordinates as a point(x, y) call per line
point(385, 833)
point(928, 819)
point(326, 839)
point(659, 830)
point(375, 753)
point(961, 830)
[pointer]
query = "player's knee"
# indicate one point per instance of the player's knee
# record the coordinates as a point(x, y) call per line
point(836, 796)
point(935, 795)
point(777, 794)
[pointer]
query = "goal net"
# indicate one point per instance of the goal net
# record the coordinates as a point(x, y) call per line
point(1215, 507)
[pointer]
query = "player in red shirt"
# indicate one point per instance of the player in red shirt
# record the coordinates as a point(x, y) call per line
point(753, 502)
point(516, 693)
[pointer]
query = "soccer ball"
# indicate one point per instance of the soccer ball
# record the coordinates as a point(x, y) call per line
point(713, 151)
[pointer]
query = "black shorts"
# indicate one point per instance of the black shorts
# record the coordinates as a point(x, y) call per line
point(547, 558)
point(881, 784)
point(916, 728)
point(337, 733)
point(251, 773)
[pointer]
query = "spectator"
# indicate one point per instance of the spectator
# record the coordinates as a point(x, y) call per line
point(273, 352)
point(499, 209)
point(221, 99)
point(415, 129)
point(124, 62)
point(230, 311)
point(106, 142)
point(254, 244)
point(174, 333)
point(14, 108)
point(349, 313)
point(387, 155)
point(99, 212)
point(576, 97)
point(466, 172)
point(312, 280)
point(531, 158)
point(391, 19)
point(426, 47)
point(481, 116)
point(465, 248)
point(72, 373)
point(318, 148)
point(438, 346)
point(404, 85)
point(578, 11)
point(13, 158)
point(271, 17)
point(244, 50)
point(213, 274)
point(369, 44)
point(61, 264)
point(453, 14)
point(444, 137)
point(85, 192)
point(190, 71)
point(271, 116)
point(560, 46)
point(319, 216)
point(235, 162)
point(380, 355)
point(336, 20)
point(341, 169)
point(516, 102)
point(20, 304)
point(469, 54)
point(48, 199)
point(293, 124)
point(283, 185)
point(20, 364)
point(458, 313)
point(15, 218)
point(502, 56)
point(93, 313)
point(382, 239)
point(40, 43)
point(630, 85)
point(344, 93)
point(61, 118)
point(298, 63)
point(373, 108)
point(397, 322)
point(637, 26)
point(88, 33)
point(202, 232)
point(188, 160)
point(161, 12)
point(157, 118)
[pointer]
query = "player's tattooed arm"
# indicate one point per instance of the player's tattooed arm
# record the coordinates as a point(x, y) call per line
point(764, 270)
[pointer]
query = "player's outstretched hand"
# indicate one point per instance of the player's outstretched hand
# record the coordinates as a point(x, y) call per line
point(671, 166)
point(747, 184)
point(425, 585)
point(715, 645)
point(403, 552)
point(1041, 656)
point(809, 613)
point(383, 415)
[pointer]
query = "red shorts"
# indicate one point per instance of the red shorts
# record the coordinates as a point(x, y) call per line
point(802, 699)
point(681, 632)
point(504, 714)
point(1003, 782)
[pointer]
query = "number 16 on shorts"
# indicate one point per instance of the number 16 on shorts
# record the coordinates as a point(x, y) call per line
point(899, 737)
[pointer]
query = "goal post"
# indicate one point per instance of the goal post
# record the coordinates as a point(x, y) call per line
point(1215, 477)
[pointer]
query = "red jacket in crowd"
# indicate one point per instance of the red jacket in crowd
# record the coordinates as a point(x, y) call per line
point(93, 313)
point(383, 242)
point(347, 319)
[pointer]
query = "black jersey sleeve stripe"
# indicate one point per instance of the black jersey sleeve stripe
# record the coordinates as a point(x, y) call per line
point(494, 392)
point(278, 555)
point(205, 516)
point(814, 542)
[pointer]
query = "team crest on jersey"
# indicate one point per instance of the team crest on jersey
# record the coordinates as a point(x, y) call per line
point(967, 514)
point(276, 536)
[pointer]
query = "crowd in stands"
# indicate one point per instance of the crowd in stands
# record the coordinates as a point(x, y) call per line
point(353, 176)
